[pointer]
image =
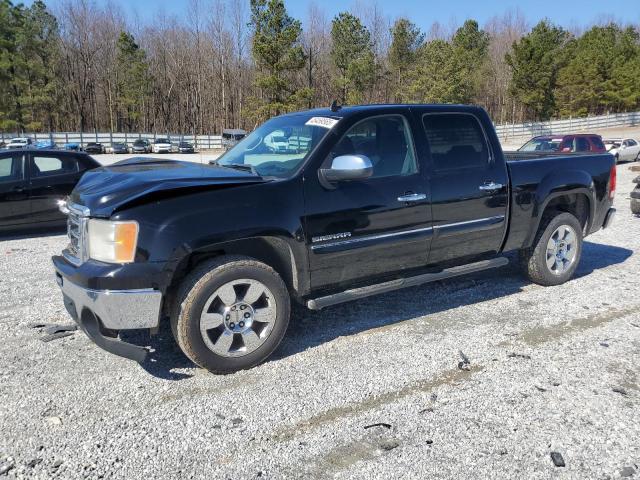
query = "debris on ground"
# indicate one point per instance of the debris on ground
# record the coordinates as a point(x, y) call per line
point(53, 420)
point(464, 363)
point(373, 425)
point(57, 328)
point(55, 336)
point(627, 472)
point(619, 390)
point(540, 389)
point(557, 459)
point(519, 355)
point(5, 467)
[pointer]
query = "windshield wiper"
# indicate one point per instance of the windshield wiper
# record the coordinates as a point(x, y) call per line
point(238, 166)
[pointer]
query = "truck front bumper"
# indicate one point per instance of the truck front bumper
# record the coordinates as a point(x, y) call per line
point(101, 314)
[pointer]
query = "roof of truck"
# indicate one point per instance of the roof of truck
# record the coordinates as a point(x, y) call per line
point(346, 111)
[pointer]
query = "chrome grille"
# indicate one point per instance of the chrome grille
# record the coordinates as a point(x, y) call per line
point(76, 226)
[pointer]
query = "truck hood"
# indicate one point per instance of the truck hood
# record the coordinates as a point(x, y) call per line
point(107, 189)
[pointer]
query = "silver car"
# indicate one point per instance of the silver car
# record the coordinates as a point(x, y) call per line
point(624, 149)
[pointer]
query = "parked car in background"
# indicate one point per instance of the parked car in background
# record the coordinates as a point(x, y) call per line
point(581, 142)
point(95, 148)
point(142, 145)
point(185, 147)
point(374, 198)
point(162, 145)
point(624, 149)
point(32, 182)
point(119, 147)
point(635, 197)
point(20, 142)
point(231, 137)
point(45, 145)
point(72, 146)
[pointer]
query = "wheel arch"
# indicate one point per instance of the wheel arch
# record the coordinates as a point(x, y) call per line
point(274, 251)
point(570, 191)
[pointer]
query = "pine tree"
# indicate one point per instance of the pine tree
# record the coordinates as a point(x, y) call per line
point(353, 56)
point(133, 81)
point(279, 55)
point(535, 62)
point(403, 52)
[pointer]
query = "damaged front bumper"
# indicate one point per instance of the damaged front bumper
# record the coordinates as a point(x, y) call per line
point(102, 314)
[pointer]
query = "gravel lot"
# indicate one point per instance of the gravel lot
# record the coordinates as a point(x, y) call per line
point(551, 370)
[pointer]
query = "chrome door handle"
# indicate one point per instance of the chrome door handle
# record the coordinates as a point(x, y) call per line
point(490, 186)
point(412, 197)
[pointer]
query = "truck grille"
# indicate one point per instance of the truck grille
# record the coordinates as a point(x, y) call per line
point(76, 226)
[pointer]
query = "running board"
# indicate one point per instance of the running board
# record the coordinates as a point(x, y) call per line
point(362, 292)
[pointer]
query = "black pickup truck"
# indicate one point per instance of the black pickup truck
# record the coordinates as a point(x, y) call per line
point(319, 207)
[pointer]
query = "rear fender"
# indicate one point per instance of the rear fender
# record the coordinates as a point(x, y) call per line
point(556, 184)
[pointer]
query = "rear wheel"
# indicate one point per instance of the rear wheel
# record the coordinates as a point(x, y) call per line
point(230, 314)
point(635, 206)
point(556, 250)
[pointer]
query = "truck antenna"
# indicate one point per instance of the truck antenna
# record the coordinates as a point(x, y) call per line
point(334, 106)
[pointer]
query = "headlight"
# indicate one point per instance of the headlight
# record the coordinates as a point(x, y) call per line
point(112, 242)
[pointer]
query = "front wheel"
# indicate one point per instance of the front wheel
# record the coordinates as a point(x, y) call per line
point(556, 250)
point(230, 314)
point(635, 206)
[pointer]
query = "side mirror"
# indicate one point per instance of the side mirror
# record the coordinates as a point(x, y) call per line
point(347, 167)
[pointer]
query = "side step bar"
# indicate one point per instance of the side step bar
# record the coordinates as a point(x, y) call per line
point(362, 292)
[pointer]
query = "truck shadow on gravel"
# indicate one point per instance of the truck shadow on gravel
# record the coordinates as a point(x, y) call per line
point(309, 329)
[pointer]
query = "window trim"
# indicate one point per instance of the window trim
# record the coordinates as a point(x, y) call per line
point(490, 153)
point(407, 125)
point(32, 163)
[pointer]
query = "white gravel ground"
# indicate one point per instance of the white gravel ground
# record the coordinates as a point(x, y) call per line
point(551, 370)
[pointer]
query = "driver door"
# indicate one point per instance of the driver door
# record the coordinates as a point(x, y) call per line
point(376, 227)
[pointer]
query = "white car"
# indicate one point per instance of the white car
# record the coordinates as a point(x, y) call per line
point(624, 149)
point(19, 142)
point(162, 145)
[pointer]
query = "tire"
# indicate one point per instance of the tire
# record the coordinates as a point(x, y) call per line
point(635, 206)
point(617, 157)
point(218, 326)
point(549, 262)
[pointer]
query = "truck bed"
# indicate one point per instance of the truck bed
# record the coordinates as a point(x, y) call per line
point(514, 156)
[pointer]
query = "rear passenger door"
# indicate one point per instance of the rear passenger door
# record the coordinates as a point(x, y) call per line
point(14, 194)
point(53, 177)
point(469, 188)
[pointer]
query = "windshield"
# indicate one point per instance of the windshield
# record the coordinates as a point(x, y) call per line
point(280, 146)
point(541, 145)
point(162, 140)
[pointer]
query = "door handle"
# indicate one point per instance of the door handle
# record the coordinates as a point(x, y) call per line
point(412, 197)
point(490, 187)
point(19, 189)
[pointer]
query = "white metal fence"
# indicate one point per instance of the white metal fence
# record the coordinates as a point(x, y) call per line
point(595, 123)
point(203, 142)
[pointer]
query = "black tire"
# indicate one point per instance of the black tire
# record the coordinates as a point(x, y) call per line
point(635, 206)
point(197, 288)
point(534, 259)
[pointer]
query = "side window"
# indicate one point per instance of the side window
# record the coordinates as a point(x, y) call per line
point(597, 143)
point(632, 143)
point(47, 166)
point(582, 145)
point(567, 145)
point(385, 140)
point(456, 141)
point(11, 168)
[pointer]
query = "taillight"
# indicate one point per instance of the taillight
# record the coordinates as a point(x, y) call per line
point(612, 183)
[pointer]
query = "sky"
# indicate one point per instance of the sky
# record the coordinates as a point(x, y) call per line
point(567, 13)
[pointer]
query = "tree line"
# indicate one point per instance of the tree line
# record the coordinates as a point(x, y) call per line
point(77, 65)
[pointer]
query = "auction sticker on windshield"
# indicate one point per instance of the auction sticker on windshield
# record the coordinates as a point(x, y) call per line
point(324, 122)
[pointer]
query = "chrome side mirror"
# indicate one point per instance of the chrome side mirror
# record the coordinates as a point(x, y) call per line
point(348, 167)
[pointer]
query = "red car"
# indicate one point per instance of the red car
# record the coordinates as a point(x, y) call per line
point(581, 142)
